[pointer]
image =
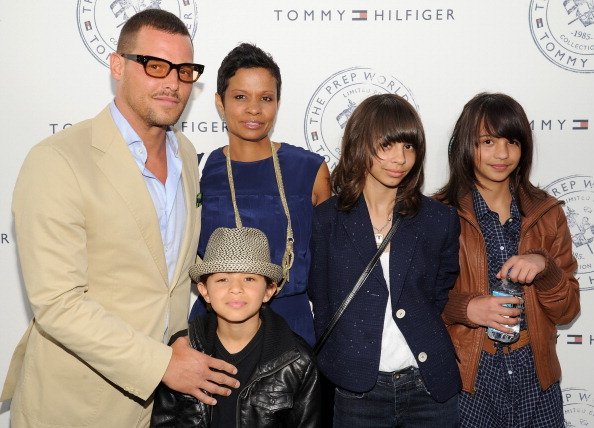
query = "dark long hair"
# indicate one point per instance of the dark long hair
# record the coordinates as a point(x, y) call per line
point(502, 117)
point(379, 119)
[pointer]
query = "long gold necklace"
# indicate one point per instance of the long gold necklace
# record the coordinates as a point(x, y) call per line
point(289, 255)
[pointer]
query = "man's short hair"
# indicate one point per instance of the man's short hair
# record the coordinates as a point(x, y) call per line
point(155, 18)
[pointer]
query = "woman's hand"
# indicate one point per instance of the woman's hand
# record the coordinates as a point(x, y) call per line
point(488, 311)
point(522, 269)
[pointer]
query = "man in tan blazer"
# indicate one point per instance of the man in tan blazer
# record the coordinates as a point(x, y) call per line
point(107, 223)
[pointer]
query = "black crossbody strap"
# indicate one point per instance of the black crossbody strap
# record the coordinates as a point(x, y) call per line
point(322, 339)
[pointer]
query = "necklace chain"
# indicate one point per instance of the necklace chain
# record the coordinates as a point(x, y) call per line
point(380, 229)
point(379, 236)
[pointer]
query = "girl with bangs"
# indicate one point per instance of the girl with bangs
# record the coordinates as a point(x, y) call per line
point(512, 230)
point(389, 355)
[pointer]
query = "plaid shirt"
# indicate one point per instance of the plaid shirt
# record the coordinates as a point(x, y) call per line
point(501, 240)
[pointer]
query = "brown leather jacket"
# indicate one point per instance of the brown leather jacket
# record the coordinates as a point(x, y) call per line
point(552, 299)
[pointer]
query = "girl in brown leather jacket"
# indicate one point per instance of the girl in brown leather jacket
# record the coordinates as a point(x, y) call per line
point(509, 229)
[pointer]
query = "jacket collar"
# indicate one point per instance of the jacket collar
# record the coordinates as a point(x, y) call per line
point(357, 225)
point(533, 209)
point(277, 336)
point(190, 189)
point(119, 167)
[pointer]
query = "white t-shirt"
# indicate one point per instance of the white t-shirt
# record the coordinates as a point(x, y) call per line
point(395, 353)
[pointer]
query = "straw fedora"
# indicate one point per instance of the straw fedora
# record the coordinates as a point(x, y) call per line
point(242, 249)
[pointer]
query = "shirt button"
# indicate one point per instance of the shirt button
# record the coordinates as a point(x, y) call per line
point(422, 357)
point(400, 313)
point(502, 248)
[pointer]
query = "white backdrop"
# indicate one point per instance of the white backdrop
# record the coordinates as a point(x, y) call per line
point(332, 53)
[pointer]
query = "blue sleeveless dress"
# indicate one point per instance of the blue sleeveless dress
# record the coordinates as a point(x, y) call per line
point(260, 207)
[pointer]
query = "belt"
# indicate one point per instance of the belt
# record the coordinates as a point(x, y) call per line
point(400, 373)
point(491, 346)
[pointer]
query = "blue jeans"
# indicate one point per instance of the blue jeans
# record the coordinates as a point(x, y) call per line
point(398, 399)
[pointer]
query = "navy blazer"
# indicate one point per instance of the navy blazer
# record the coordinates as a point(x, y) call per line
point(423, 267)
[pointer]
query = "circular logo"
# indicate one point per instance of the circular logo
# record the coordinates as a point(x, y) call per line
point(100, 21)
point(578, 407)
point(577, 191)
point(563, 30)
point(334, 101)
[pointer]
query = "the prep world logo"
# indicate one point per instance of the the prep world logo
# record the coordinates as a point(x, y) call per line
point(100, 21)
point(577, 191)
point(563, 30)
point(578, 407)
point(333, 103)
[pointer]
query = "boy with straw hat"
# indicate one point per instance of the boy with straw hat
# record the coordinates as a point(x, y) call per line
point(276, 370)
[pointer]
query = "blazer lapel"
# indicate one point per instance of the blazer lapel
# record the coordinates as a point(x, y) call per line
point(357, 225)
point(402, 250)
point(190, 188)
point(120, 169)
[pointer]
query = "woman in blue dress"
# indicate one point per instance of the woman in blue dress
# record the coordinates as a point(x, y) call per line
point(258, 183)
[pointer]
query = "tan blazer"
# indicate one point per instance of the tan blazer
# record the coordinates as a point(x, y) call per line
point(94, 268)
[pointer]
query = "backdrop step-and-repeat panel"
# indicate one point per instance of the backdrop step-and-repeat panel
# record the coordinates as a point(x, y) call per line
point(332, 54)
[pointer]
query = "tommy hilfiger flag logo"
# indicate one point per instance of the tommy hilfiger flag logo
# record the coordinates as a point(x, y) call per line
point(580, 123)
point(574, 339)
point(359, 15)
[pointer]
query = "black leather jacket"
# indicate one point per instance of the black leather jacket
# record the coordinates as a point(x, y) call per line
point(283, 391)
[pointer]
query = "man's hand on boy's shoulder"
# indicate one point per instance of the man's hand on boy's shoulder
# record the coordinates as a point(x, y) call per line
point(192, 372)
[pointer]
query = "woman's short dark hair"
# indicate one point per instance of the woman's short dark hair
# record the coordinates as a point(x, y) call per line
point(503, 117)
point(155, 18)
point(246, 55)
point(379, 119)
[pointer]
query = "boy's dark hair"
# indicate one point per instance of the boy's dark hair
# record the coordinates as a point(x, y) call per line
point(379, 119)
point(155, 18)
point(246, 55)
point(502, 117)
